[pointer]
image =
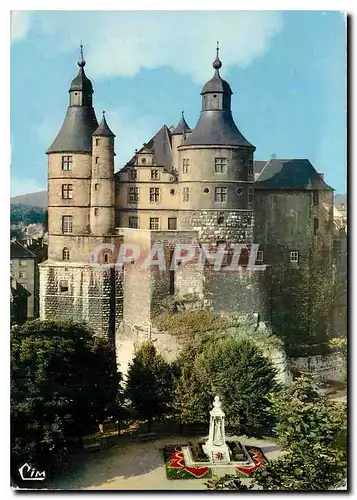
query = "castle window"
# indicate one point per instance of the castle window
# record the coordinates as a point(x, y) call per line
point(23, 263)
point(66, 162)
point(154, 195)
point(250, 196)
point(106, 258)
point(250, 166)
point(315, 197)
point(133, 174)
point(96, 211)
point(294, 256)
point(22, 275)
point(67, 224)
point(97, 142)
point(214, 95)
point(65, 254)
point(206, 190)
point(63, 286)
point(220, 165)
point(260, 256)
point(220, 194)
point(154, 223)
point(96, 160)
point(96, 186)
point(316, 225)
point(186, 194)
point(133, 195)
point(67, 191)
point(172, 223)
point(172, 191)
point(220, 221)
point(143, 161)
point(155, 174)
point(239, 191)
point(134, 222)
point(185, 165)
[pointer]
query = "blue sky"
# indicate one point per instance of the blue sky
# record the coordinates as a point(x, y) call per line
point(287, 71)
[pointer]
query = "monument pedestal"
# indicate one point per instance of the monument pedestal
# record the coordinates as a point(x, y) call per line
point(217, 454)
point(216, 448)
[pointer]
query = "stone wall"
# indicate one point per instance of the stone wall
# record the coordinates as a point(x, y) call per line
point(237, 292)
point(90, 296)
point(323, 367)
point(211, 225)
point(128, 338)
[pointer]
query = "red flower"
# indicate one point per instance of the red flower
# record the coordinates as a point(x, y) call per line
point(258, 460)
point(178, 462)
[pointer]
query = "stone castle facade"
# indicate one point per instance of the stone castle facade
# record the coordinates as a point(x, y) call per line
point(199, 186)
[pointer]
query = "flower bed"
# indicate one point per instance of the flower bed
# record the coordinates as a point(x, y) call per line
point(176, 468)
point(258, 458)
point(197, 452)
point(237, 453)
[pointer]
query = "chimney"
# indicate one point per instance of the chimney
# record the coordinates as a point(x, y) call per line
point(273, 156)
point(322, 175)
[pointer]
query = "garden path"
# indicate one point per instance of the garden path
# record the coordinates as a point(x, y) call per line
point(137, 466)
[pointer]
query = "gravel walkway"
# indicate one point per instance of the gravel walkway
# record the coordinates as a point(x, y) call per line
point(137, 467)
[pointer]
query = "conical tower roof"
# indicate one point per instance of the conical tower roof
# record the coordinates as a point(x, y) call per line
point(103, 129)
point(75, 135)
point(182, 127)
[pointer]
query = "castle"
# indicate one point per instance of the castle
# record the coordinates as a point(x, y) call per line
point(197, 186)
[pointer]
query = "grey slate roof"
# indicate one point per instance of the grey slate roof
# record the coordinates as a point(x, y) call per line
point(217, 84)
point(76, 132)
point(181, 128)
point(259, 165)
point(290, 174)
point(103, 129)
point(160, 146)
point(81, 82)
point(216, 127)
point(19, 251)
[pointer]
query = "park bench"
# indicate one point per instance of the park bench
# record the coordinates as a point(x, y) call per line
point(92, 446)
point(150, 436)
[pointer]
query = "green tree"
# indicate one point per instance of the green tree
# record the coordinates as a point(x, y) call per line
point(312, 429)
point(235, 369)
point(244, 379)
point(192, 390)
point(149, 383)
point(305, 418)
point(63, 383)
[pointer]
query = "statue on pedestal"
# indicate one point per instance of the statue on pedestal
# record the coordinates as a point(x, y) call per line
point(216, 447)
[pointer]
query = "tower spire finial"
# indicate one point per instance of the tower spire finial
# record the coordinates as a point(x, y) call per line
point(81, 62)
point(217, 63)
point(182, 114)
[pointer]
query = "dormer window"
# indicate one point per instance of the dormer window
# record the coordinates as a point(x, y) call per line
point(155, 174)
point(133, 174)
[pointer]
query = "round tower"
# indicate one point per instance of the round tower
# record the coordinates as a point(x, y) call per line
point(102, 209)
point(69, 170)
point(216, 170)
point(178, 135)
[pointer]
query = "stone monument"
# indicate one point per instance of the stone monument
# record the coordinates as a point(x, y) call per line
point(216, 448)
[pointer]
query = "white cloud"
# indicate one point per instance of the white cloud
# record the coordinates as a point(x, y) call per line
point(121, 42)
point(20, 24)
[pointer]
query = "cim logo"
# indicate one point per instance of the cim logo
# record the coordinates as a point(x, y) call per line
point(29, 473)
